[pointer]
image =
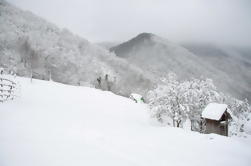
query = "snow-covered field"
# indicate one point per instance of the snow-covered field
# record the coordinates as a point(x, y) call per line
point(52, 124)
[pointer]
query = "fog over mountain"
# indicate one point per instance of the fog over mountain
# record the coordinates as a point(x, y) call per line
point(217, 21)
point(229, 69)
point(234, 61)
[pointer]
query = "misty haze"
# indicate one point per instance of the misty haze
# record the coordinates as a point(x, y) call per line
point(125, 82)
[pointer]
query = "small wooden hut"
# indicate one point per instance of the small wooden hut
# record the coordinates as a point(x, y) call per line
point(216, 117)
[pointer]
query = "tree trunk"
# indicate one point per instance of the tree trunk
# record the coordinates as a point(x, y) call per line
point(178, 123)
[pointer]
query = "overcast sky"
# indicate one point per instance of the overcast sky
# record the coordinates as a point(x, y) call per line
point(221, 21)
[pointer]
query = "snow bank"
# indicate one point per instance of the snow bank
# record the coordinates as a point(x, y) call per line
point(53, 124)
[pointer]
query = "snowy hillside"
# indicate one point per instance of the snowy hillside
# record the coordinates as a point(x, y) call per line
point(32, 46)
point(60, 125)
point(160, 56)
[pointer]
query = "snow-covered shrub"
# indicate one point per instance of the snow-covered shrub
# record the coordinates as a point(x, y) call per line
point(177, 101)
point(106, 83)
point(241, 113)
point(8, 85)
point(247, 126)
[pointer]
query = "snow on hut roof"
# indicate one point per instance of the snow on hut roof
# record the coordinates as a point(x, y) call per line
point(214, 111)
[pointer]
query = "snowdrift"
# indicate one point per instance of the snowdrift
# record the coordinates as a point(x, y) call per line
point(53, 124)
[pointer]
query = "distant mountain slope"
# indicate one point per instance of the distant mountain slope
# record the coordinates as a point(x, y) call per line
point(159, 56)
point(236, 62)
point(29, 44)
point(107, 45)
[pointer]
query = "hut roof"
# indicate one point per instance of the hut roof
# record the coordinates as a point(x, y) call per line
point(214, 111)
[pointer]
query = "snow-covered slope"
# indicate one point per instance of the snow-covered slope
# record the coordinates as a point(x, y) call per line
point(30, 44)
point(52, 124)
point(159, 56)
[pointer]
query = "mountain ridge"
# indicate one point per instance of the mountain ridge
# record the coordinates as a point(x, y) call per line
point(160, 56)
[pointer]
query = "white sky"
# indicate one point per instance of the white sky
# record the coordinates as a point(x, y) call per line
point(220, 21)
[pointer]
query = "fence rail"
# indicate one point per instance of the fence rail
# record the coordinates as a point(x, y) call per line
point(5, 79)
point(8, 88)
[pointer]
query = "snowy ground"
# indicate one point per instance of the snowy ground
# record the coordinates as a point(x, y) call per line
point(53, 124)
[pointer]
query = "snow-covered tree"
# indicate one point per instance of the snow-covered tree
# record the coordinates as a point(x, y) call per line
point(167, 100)
point(240, 112)
point(106, 83)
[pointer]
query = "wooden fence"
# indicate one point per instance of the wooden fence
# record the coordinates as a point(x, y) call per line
point(8, 87)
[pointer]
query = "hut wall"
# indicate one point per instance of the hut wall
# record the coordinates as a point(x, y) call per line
point(213, 126)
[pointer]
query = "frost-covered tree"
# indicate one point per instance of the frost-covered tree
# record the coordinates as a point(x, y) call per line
point(198, 93)
point(106, 83)
point(240, 112)
point(167, 101)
